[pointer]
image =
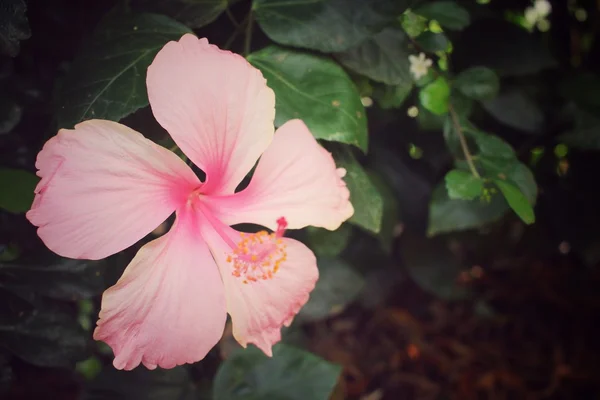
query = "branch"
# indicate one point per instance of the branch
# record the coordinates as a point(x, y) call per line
point(463, 142)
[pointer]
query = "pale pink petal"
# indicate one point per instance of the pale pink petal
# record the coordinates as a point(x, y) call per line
point(168, 308)
point(295, 178)
point(104, 187)
point(215, 105)
point(260, 307)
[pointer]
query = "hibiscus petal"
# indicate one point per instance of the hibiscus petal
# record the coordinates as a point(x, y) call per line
point(168, 308)
point(295, 178)
point(215, 105)
point(104, 186)
point(259, 308)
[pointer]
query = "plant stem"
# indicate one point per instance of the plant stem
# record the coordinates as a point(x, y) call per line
point(235, 34)
point(463, 141)
point(248, 38)
point(231, 17)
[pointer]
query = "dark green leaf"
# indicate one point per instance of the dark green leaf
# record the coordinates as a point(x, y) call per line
point(433, 42)
point(16, 189)
point(48, 338)
point(517, 201)
point(366, 200)
point(10, 114)
point(434, 97)
point(432, 266)
point(14, 26)
point(383, 58)
point(479, 83)
point(516, 109)
point(338, 286)
point(583, 89)
point(584, 137)
point(141, 384)
point(412, 23)
point(391, 212)
point(449, 14)
point(325, 25)
point(193, 13)
point(392, 96)
point(291, 374)
point(108, 79)
point(316, 90)
point(492, 145)
point(463, 185)
point(66, 279)
point(502, 46)
point(447, 215)
point(327, 243)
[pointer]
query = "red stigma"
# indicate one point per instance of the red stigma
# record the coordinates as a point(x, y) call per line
point(281, 226)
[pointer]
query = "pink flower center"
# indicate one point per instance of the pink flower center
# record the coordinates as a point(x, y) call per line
point(259, 255)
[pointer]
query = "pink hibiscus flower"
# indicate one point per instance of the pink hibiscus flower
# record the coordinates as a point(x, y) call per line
point(104, 187)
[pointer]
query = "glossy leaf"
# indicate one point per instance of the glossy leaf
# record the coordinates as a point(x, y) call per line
point(316, 90)
point(463, 185)
point(515, 108)
point(108, 79)
point(435, 96)
point(291, 374)
point(448, 215)
point(325, 25)
point(433, 42)
point(517, 201)
point(66, 279)
point(14, 26)
point(449, 14)
point(383, 58)
point(193, 13)
point(367, 201)
point(49, 337)
point(338, 286)
point(328, 243)
point(16, 189)
point(479, 83)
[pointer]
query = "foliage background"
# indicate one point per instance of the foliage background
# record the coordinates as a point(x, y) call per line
point(471, 265)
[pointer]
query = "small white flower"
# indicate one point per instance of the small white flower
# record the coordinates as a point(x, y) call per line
point(366, 101)
point(419, 65)
point(531, 16)
point(543, 8)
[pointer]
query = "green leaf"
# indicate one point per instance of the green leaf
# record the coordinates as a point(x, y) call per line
point(325, 25)
point(383, 58)
point(65, 279)
point(392, 96)
point(513, 107)
point(463, 185)
point(14, 26)
point(517, 201)
point(142, 384)
point(316, 90)
point(326, 243)
point(449, 14)
point(412, 23)
point(585, 135)
point(16, 189)
point(433, 42)
point(338, 286)
point(48, 337)
point(479, 83)
point(432, 266)
point(434, 97)
point(492, 145)
point(448, 215)
point(391, 212)
point(366, 200)
point(291, 374)
point(108, 79)
point(583, 89)
point(193, 13)
point(512, 171)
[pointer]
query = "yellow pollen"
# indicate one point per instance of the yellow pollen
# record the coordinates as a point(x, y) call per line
point(258, 256)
